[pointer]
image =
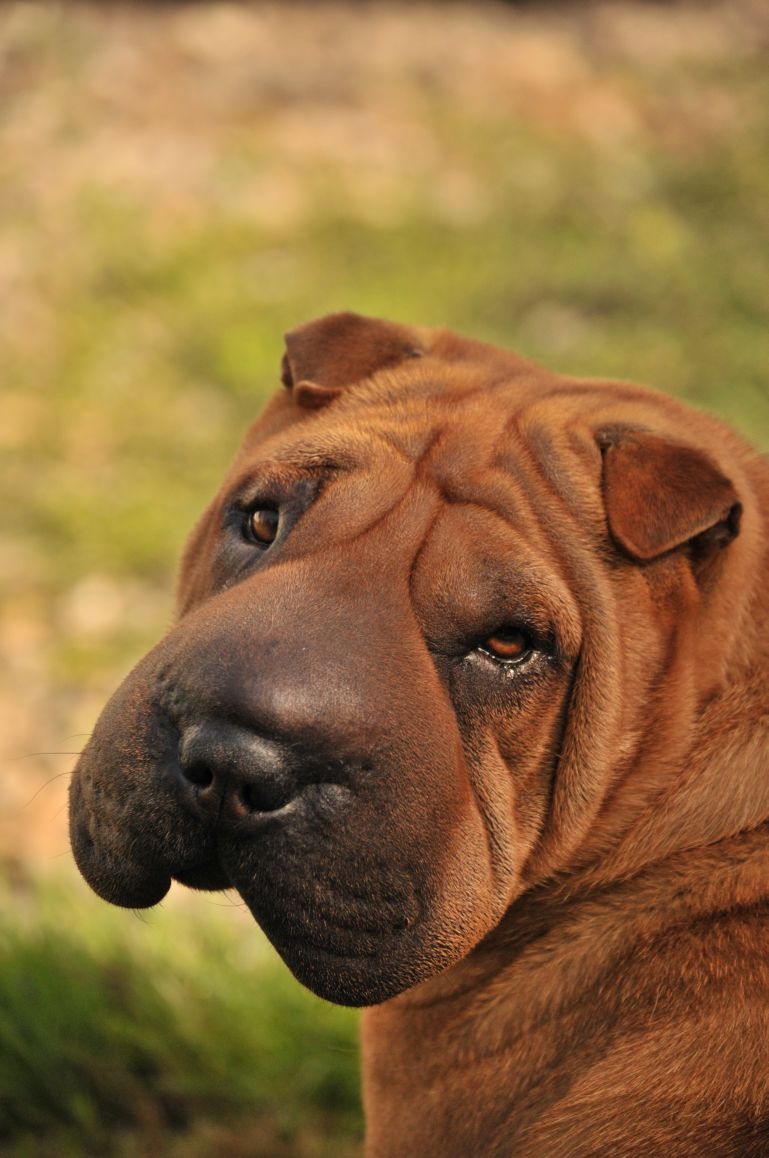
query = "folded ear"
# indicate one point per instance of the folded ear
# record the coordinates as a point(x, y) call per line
point(325, 356)
point(661, 495)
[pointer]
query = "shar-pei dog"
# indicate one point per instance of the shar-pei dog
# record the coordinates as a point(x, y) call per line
point(468, 699)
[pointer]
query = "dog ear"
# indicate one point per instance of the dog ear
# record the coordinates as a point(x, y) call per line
point(325, 356)
point(661, 495)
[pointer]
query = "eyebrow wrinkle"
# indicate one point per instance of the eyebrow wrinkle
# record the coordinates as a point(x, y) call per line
point(421, 548)
point(389, 437)
point(526, 477)
point(378, 520)
point(529, 473)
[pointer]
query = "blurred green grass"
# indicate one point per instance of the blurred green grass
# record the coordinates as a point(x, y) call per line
point(176, 190)
point(168, 1033)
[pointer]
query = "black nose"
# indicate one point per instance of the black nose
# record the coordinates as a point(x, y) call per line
point(231, 775)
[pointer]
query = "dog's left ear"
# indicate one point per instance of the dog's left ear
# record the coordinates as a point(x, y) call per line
point(661, 495)
point(325, 356)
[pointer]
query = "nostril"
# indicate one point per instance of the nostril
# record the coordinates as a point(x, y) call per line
point(262, 797)
point(198, 774)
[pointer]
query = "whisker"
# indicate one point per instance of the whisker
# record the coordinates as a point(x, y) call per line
point(227, 902)
point(42, 788)
point(30, 755)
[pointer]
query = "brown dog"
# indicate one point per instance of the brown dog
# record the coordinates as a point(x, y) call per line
point(469, 700)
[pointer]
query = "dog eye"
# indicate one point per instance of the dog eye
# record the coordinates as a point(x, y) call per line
point(261, 525)
point(508, 645)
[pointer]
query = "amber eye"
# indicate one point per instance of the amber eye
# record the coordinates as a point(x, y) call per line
point(262, 525)
point(508, 645)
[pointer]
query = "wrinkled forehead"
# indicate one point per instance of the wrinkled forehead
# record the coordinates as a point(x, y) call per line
point(405, 415)
point(459, 491)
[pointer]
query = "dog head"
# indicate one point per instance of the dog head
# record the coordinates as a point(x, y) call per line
point(444, 607)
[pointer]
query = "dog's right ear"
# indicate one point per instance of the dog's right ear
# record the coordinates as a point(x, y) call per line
point(324, 357)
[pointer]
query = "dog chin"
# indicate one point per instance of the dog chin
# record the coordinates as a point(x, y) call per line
point(349, 978)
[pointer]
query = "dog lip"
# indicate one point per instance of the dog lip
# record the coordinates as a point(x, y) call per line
point(120, 880)
point(128, 884)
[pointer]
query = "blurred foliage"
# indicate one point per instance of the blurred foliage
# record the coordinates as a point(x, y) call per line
point(168, 1034)
point(178, 185)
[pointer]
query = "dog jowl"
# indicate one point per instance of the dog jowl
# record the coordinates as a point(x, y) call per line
point(467, 698)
